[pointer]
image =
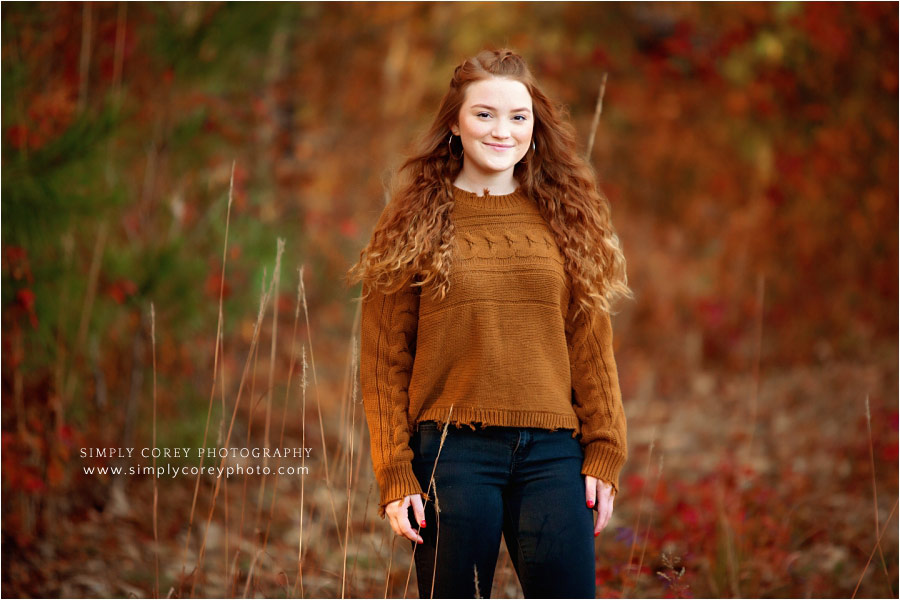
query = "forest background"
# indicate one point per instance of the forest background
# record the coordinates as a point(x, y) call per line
point(749, 152)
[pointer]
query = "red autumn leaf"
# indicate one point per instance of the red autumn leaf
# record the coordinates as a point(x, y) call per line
point(712, 311)
point(107, 69)
point(8, 441)
point(634, 483)
point(210, 124)
point(55, 473)
point(889, 452)
point(17, 263)
point(17, 135)
point(66, 434)
point(115, 292)
point(600, 57)
point(213, 284)
point(679, 44)
point(16, 253)
point(349, 228)
point(32, 483)
point(259, 106)
point(121, 289)
point(286, 303)
point(26, 299)
point(687, 513)
point(36, 140)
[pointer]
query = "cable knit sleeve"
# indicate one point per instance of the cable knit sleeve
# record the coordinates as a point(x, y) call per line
point(596, 397)
point(389, 324)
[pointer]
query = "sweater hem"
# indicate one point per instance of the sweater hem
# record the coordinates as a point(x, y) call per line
point(466, 415)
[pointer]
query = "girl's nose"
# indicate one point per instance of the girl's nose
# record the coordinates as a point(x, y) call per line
point(501, 131)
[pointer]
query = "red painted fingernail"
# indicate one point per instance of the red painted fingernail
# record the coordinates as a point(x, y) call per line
point(423, 523)
point(596, 533)
point(590, 503)
point(419, 541)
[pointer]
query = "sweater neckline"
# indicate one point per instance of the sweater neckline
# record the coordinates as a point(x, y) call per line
point(514, 198)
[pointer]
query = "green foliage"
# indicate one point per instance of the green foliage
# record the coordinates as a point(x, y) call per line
point(221, 49)
point(55, 186)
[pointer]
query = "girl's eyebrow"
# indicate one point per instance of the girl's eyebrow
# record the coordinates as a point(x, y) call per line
point(523, 109)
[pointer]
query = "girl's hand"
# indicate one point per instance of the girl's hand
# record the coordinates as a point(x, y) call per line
point(398, 513)
point(599, 493)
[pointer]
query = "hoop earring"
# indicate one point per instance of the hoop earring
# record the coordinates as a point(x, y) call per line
point(533, 150)
point(450, 149)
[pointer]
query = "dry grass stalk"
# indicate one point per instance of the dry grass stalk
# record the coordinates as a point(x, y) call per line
point(119, 58)
point(212, 390)
point(298, 583)
point(732, 562)
point(264, 300)
point(345, 460)
point(90, 295)
point(233, 579)
point(637, 525)
point(872, 553)
point(268, 397)
point(312, 357)
point(155, 487)
point(357, 469)
point(255, 400)
point(250, 572)
point(647, 531)
point(598, 109)
point(249, 435)
point(260, 496)
point(349, 380)
point(437, 539)
point(387, 580)
point(875, 496)
point(754, 398)
point(355, 363)
point(287, 392)
point(375, 551)
point(58, 399)
point(246, 478)
point(84, 57)
point(425, 503)
point(673, 575)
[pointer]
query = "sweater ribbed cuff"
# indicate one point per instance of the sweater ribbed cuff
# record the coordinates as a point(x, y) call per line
point(395, 482)
point(603, 462)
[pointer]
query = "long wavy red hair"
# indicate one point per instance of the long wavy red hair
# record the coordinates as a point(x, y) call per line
point(412, 241)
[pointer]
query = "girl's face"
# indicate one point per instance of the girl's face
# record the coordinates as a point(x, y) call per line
point(495, 125)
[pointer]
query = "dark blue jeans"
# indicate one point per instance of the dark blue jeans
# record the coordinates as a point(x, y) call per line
point(523, 482)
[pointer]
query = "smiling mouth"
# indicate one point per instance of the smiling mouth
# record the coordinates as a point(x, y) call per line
point(498, 146)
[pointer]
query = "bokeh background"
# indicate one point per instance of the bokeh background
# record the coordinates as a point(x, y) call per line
point(749, 151)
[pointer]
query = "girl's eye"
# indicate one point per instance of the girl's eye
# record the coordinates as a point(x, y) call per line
point(484, 114)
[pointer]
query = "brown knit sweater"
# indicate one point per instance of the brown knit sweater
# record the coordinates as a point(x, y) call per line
point(502, 348)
